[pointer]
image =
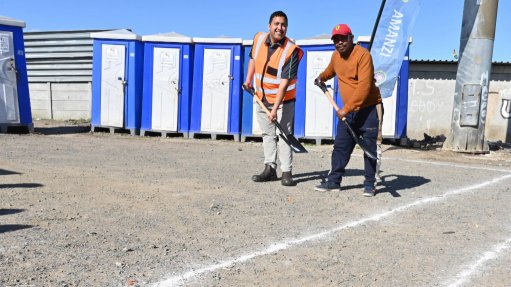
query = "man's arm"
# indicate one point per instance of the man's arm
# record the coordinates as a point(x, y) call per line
point(251, 68)
point(329, 71)
point(250, 74)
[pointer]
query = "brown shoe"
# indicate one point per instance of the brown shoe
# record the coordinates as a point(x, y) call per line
point(268, 174)
point(287, 179)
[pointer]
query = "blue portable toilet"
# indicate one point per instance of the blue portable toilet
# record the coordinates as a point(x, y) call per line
point(249, 125)
point(314, 115)
point(168, 60)
point(396, 106)
point(216, 92)
point(117, 70)
point(14, 94)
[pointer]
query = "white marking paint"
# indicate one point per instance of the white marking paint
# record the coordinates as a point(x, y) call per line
point(446, 164)
point(465, 275)
point(181, 279)
point(439, 163)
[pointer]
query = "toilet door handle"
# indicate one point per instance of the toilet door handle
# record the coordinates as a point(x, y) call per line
point(123, 82)
point(12, 67)
point(174, 84)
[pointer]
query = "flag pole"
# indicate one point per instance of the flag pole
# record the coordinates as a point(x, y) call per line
point(379, 107)
point(376, 24)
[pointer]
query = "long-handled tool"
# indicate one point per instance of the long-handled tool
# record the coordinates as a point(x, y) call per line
point(379, 107)
point(322, 86)
point(290, 140)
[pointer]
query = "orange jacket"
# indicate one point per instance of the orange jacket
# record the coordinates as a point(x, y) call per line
point(356, 79)
point(269, 81)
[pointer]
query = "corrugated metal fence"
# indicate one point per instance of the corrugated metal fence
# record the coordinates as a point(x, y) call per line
point(59, 67)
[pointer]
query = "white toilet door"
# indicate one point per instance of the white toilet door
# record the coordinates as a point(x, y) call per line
point(165, 89)
point(9, 109)
point(215, 90)
point(318, 110)
point(113, 64)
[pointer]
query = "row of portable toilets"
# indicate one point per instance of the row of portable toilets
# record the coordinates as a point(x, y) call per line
point(170, 83)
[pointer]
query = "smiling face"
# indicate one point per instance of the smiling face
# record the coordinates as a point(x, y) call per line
point(343, 44)
point(277, 28)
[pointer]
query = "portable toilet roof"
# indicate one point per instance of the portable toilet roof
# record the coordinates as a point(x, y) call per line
point(248, 42)
point(171, 37)
point(122, 34)
point(218, 40)
point(11, 22)
point(323, 39)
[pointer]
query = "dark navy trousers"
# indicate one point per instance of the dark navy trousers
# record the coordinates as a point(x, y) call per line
point(365, 124)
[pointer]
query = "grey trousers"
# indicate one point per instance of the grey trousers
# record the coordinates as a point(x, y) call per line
point(285, 116)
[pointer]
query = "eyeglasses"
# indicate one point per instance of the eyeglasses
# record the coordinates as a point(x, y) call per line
point(341, 38)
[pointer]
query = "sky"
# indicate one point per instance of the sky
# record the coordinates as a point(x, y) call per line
point(435, 35)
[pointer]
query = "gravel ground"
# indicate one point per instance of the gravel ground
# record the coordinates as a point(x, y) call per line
point(82, 209)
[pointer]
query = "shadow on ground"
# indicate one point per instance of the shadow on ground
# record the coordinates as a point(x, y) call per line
point(7, 172)
point(308, 176)
point(321, 175)
point(13, 227)
point(392, 184)
point(61, 130)
point(8, 211)
point(20, 185)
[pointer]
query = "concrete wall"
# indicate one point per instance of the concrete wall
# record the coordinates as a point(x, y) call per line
point(430, 105)
point(431, 98)
point(60, 101)
point(498, 120)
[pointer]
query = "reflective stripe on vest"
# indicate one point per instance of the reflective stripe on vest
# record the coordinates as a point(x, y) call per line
point(274, 91)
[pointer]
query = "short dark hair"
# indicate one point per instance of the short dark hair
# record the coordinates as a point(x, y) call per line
point(278, 14)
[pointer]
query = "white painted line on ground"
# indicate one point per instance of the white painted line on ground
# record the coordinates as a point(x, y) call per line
point(440, 163)
point(465, 275)
point(448, 164)
point(181, 279)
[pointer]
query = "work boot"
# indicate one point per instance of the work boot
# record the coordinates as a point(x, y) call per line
point(268, 174)
point(287, 179)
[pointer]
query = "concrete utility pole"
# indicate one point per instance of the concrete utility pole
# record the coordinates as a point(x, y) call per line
point(473, 77)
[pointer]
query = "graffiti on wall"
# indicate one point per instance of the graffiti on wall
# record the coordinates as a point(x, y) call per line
point(422, 99)
point(505, 109)
point(505, 103)
point(484, 96)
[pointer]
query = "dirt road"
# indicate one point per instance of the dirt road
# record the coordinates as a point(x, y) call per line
point(81, 209)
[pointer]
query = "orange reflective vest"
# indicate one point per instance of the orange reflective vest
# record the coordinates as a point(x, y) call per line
point(268, 72)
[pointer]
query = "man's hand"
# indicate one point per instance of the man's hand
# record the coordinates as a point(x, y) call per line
point(320, 84)
point(341, 114)
point(317, 81)
point(273, 115)
point(248, 84)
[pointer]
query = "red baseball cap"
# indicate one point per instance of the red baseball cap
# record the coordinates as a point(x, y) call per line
point(341, 29)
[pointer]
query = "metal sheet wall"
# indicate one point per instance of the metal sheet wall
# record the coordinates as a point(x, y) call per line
point(59, 65)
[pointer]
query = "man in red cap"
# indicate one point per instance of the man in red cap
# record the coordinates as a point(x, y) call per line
point(353, 66)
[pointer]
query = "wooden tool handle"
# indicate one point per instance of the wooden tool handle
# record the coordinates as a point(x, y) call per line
point(261, 104)
point(331, 99)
